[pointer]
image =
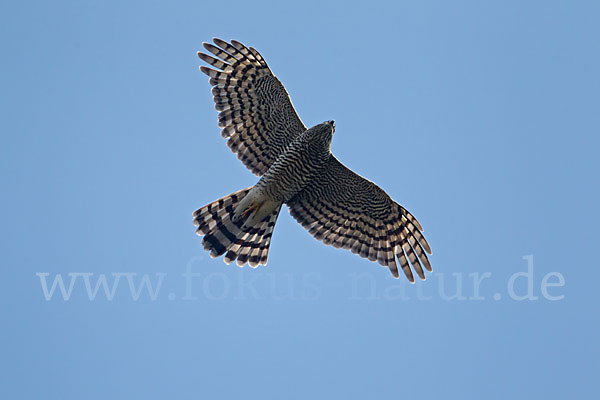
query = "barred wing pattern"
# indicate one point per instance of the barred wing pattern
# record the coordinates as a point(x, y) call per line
point(347, 211)
point(255, 111)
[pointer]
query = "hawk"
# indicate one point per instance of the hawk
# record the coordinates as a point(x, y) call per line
point(296, 168)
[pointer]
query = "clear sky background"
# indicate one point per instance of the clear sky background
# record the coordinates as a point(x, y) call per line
point(482, 118)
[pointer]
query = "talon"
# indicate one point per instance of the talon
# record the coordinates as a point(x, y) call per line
point(253, 209)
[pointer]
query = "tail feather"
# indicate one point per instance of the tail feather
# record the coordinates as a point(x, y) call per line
point(224, 236)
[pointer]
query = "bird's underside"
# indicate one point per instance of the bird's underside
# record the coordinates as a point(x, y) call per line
point(336, 205)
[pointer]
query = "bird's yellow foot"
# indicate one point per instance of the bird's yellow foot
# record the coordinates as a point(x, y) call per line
point(251, 210)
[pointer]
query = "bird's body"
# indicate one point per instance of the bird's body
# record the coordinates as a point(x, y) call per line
point(297, 168)
point(299, 163)
point(293, 169)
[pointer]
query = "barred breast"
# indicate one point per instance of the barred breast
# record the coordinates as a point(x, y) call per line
point(295, 168)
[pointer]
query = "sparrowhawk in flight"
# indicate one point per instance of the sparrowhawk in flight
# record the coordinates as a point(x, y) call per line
point(296, 168)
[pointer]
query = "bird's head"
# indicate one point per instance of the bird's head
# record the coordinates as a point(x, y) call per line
point(318, 138)
point(323, 133)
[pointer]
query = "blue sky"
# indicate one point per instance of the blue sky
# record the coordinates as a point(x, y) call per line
point(481, 118)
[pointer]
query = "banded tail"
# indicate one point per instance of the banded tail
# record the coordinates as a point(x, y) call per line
point(226, 234)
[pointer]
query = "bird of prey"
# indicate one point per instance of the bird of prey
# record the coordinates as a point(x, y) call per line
point(296, 168)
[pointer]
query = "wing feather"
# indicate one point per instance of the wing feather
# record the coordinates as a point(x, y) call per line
point(345, 210)
point(256, 114)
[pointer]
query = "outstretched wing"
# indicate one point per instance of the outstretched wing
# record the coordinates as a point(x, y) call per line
point(345, 210)
point(255, 111)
